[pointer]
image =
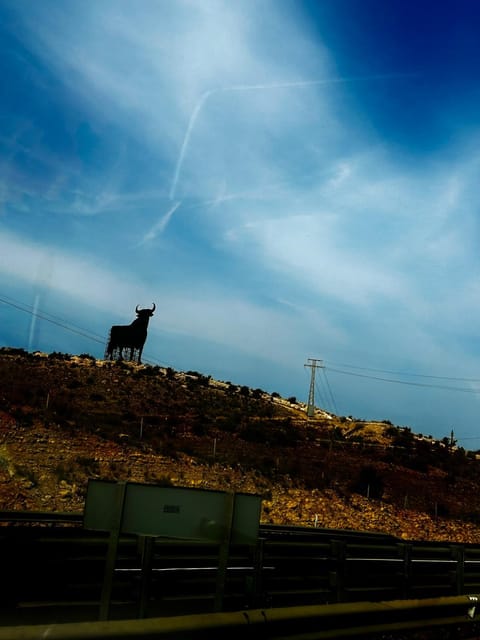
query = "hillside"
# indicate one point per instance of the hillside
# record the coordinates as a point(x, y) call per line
point(65, 418)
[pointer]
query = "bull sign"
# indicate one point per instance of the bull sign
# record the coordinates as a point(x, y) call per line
point(130, 336)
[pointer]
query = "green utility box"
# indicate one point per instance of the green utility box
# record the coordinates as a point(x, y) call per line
point(173, 512)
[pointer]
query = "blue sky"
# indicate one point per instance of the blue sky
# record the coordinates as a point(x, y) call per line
point(284, 179)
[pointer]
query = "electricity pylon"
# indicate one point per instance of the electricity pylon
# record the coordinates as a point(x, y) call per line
point(311, 394)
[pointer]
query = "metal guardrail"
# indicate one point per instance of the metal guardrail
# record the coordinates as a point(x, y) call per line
point(58, 570)
point(315, 623)
point(269, 530)
point(41, 517)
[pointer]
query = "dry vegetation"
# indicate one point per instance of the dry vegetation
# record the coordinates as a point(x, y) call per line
point(64, 419)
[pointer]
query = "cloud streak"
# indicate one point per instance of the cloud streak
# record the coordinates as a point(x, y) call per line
point(299, 84)
point(160, 226)
point(306, 230)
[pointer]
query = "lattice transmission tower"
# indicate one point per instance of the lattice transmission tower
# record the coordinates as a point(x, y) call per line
point(313, 364)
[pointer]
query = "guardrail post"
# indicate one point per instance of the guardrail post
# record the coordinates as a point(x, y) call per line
point(148, 543)
point(406, 552)
point(257, 578)
point(337, 576)
point(112, 552)
point(224, 551)
point(458, 553)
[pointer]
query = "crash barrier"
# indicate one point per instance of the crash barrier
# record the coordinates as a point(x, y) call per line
point(56, 572)
point(365, 619)
point(50, 518)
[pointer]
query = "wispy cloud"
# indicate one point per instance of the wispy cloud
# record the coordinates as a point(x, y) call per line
point(270, 86)
point(68, 273)
point(303, 227)
point(221, 316)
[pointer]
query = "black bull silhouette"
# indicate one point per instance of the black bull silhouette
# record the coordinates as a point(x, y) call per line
point(130, 336)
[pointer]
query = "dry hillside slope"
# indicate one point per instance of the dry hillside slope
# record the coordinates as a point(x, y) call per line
point(64, 419)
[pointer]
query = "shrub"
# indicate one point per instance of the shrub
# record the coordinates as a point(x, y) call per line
point(369, 482)
point(97, 397)
point(26, 472)
point(229, 423)
point(89, 465)
point(57, 355)
point(13, 351)
point(117, 470)
point(3, 463)
point(199, 426)
point(253, 433)
point(391, 431)
point(63, 472)
point(147, 370)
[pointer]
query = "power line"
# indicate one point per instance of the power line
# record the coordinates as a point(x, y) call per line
point(59, 322)
point(320, 393)
point(403, 373)
point(330, 392)
point(406, 382)
point(67, 325)
point(325, 393)
point(94, 337)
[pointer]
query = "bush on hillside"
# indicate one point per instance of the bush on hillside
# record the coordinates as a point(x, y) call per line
point(368, 483)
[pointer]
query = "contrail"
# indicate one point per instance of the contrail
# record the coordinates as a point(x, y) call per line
point(33, 321)
point(186, 139)
point(257, 87)
point(44, 275)
point(160, 225)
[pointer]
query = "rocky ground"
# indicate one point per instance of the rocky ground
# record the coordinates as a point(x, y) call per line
point(54, 475)
point(47, 455)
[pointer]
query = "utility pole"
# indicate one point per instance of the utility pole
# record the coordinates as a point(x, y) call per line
point(313, 364)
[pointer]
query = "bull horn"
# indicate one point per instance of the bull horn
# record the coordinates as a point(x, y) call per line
point(154, 307)
point(136, 309)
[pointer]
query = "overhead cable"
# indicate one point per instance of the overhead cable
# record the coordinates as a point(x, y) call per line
point(59, 322)
point(406, 382)
point(403, 373)
point(67, 325)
